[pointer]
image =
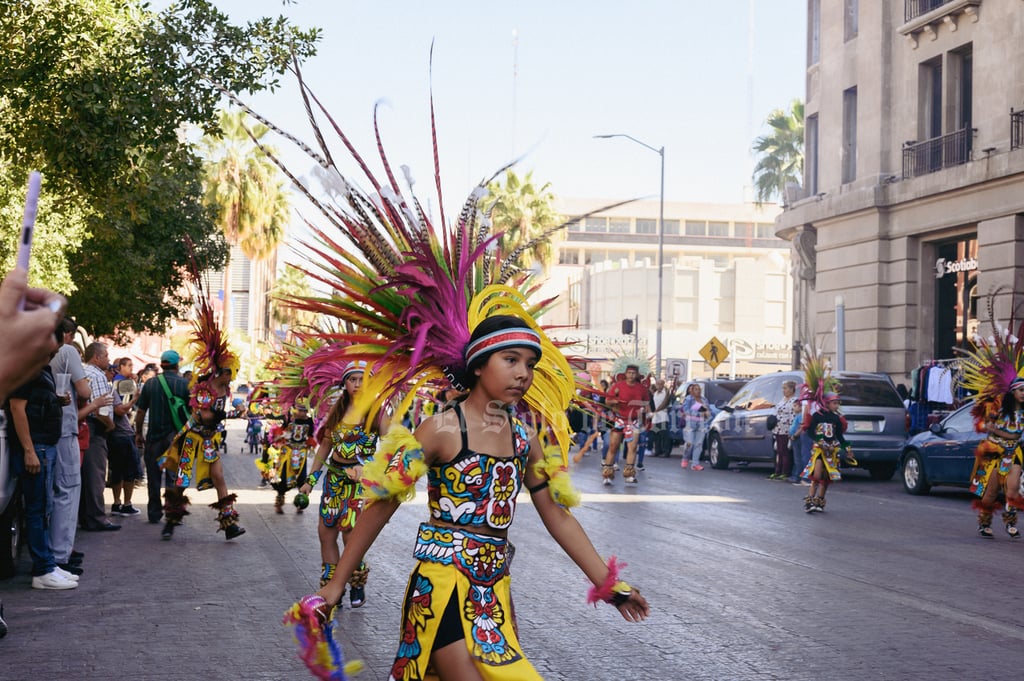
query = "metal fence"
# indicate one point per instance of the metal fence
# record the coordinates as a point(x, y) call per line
point(929, 156)
point(915, 8)
point(1016, 129)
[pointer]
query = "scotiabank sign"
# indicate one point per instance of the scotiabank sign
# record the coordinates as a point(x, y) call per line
point(944, 267)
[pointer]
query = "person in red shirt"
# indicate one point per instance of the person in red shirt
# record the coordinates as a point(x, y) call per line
point(628, 400)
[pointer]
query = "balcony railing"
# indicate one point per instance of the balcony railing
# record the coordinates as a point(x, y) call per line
point(1016, 129)
point(929, 156)
point(912, 9)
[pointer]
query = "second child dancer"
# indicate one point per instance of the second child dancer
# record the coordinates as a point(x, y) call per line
point(830, 448)
point(339, 459)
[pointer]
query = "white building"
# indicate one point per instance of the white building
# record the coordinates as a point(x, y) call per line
point(725, 276)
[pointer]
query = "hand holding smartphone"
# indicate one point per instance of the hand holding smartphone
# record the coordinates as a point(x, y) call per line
point(28, 224)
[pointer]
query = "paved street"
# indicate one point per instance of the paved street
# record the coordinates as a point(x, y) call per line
point(743, 585)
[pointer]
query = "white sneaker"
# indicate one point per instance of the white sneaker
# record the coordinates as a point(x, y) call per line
point(630, 480)
point(52, 580)
point(65, 574)
point(607, 482)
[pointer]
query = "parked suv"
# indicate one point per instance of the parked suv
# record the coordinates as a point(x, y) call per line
point(875, 416)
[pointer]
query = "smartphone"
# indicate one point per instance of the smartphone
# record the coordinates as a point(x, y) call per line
point(28, 224)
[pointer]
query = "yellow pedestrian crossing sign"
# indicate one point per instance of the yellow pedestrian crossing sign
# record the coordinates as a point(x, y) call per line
point(714, 352)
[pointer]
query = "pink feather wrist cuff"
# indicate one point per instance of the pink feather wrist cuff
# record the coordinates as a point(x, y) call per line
point(612, 590)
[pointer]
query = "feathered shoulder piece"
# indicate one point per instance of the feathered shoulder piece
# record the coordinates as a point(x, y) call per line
point(819, 383)
point(993, 365)
point(308, 368)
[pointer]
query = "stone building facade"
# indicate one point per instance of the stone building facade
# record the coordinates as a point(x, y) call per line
point(913, 195)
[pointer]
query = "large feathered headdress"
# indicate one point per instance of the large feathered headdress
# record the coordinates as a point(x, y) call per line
point(208, 342)
point(819, 384)
point(410, 290)
point(994, 365)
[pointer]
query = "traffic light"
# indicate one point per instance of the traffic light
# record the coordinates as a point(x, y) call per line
point(627, 327)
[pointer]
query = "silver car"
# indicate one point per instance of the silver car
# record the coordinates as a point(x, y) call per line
point(877, 422)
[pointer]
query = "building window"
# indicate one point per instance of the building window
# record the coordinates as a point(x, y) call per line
point(619, 225)
point(930, 99)
point(718, 229)
point(597, 224)
point(765, 230)
point(811, 155)
point(961, 86)
point(592, 256)
point(814, 31)
point(849, 135)
point(743, 230)
point(720, 261)
point(696, 228)
point(573, 226)
point(568, 257)
point(616, 256)
point(645, 226)
point(850, 25)
point(672, 227)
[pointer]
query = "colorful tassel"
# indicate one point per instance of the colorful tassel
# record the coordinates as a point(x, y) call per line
point(314, 632)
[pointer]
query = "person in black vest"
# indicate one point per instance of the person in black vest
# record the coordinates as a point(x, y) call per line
point(34, 414)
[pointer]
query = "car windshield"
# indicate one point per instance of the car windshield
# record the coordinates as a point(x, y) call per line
point(861, 392)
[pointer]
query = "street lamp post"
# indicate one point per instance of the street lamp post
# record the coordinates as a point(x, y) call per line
point(661, 238)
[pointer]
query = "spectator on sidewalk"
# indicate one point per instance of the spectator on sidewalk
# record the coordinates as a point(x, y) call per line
point(123, 462)
point(92, 513)
point(34, 417)
point(662, 399)
point(67, 490)
point(155, 403)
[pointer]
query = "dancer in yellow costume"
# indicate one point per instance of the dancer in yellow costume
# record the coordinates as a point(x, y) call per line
point(424, 303)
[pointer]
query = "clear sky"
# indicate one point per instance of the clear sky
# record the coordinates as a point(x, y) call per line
point(683, 74)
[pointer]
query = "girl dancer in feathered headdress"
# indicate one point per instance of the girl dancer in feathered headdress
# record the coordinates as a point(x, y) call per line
point(830, 448)
point(430, 306)
point(344, 449)
point(194, 454)
point(994, 369)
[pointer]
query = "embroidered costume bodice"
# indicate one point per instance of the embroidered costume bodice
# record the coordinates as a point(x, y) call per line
point(827, 428)
point(476, 490)
point(352, 442)
point(299, 432)
point(1008, 423)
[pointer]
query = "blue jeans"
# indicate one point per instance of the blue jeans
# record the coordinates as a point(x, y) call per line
point(693, 436)
point(37, 494)
point(801, 454)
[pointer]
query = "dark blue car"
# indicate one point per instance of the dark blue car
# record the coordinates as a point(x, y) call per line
point(941, 455)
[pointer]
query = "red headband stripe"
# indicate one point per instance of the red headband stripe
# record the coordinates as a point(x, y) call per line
point(506, 338)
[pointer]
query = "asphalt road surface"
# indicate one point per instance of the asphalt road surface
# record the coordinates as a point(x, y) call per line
point(742, 583)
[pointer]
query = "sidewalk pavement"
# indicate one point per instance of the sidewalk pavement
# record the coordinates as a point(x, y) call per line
point(197, 607)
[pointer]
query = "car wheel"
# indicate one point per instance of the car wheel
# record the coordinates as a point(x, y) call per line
point(881, 471)
point(716, 454)
point(914, 480)
point(10, 534)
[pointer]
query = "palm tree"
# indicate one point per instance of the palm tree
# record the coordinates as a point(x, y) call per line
point(781, 153)
point(245, 189)
point(292, 283)
point(523, 213)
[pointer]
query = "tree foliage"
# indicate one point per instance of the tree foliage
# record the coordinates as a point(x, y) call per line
point(522, 211)
point(780, 153)
point(97, 94)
